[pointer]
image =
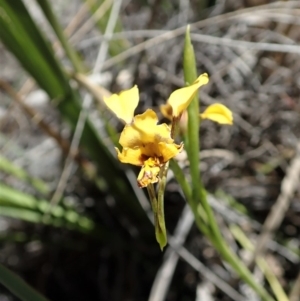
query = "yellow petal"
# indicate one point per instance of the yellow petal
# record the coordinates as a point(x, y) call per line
point(169, 151)
point(131, 156)
point(218, 113)
point(144, 130)
point(144, 139)
point(166, 110)
point(124, 104)
point(181, 98)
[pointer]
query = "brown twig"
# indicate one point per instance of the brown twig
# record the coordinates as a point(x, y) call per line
point(71, 28)
point(274, 219)
point(97, 91)
point(38, 118)
point(295, 291)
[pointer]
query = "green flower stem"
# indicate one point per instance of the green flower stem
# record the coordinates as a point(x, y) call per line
point(186, 189)
point(198, 191)
point(190, 74)
point(159, 222)
point(160, 203)
point(70, 52)
point(18, 286)
point(153, 200)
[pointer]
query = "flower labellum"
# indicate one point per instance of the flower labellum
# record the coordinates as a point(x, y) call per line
point(148, 145)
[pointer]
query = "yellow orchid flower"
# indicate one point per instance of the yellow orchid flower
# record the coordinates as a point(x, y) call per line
point(146, 144)
point(180, 99)
point(124, 104)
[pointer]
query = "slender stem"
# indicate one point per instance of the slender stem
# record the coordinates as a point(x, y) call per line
point(159, 222)
point(159, 215)
point(161, 192)
point(153, 200)
point(186, 189)
point(190, 74)
point(198, 191)
point(160, 204)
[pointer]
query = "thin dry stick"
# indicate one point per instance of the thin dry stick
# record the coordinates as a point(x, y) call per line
point(91, 22)
point(232, 216)
point(73, 25)
point(76, 20)
point(177, 32)
point(85, 108)
point(245, 44)
point(97, 91)
point(288, 187)
point(295, 291)
point(200, 24)
point(164, 275)
point(175, 243)
point(38, 118)
point(203, 38)
point(205, 272)
point(149, 24)
point(69, 30)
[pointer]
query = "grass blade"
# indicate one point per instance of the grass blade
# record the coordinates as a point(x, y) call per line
point(18, 172)
point(23, 206)
point(18, 286)
point(70, 52)
point(22, 37)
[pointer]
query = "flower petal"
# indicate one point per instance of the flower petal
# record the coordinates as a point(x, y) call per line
point(124, 104)
point(166, 110)
point(218, 113)
point(169, 151)
point(181, 98)
point(144, 130)
point(144, 139)
point(131, 156)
